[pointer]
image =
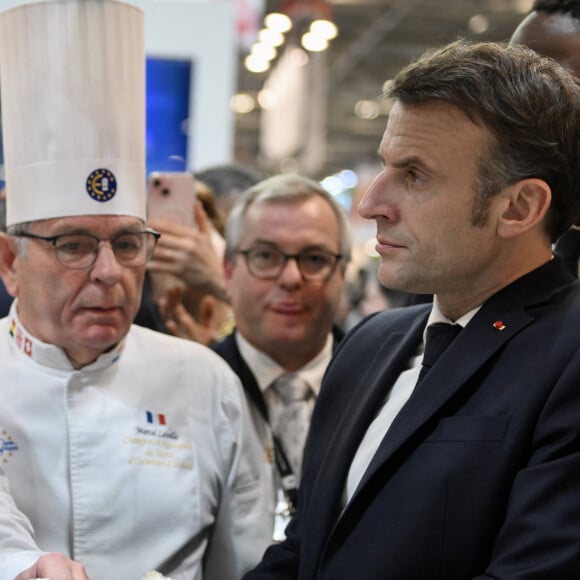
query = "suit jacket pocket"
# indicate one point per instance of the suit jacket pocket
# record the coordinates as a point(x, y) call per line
point(471, 429)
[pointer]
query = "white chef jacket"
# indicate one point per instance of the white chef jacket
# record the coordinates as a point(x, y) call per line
point(142, 460)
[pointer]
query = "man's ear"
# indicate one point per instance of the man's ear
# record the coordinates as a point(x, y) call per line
point(8, 253)
point(228, 272)
point(524, 207)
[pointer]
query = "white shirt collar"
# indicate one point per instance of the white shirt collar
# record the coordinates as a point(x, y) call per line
point(266, 370)
point(50, 355)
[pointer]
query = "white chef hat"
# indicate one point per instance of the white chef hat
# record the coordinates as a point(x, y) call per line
point(72, 80)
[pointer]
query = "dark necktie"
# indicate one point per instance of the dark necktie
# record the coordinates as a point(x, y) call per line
point(439, 337)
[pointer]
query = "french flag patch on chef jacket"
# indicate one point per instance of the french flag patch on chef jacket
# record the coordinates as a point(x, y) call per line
point(155, 418)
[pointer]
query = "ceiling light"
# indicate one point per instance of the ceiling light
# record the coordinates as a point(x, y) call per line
point(324, 28)
point(242, 103)
point(333, 185)
point(314, 43)
point(271, 37)
point(263, 51)
point(256, 64)
point(349, 178)
point(478, 24)
point(367, 109)
point(278, 22)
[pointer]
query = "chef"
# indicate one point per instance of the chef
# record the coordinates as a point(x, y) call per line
point(122, 450)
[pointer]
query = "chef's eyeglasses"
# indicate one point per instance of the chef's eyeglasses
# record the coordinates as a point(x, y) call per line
point(80, 251)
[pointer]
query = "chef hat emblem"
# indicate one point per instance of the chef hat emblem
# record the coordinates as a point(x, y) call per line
point(72, 84)
point(101, 185)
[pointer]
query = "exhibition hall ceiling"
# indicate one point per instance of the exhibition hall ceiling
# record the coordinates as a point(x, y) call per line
point(376, 39)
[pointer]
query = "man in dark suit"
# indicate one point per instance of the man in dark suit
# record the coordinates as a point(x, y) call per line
point(288, 243)
point(473, 470)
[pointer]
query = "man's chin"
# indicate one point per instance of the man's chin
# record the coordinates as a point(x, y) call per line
point(290, 337)
point(103, 337)
point(395, 279)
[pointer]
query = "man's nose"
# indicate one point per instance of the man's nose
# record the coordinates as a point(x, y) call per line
point(380, 198)
point(106, 268)
point(290, 272)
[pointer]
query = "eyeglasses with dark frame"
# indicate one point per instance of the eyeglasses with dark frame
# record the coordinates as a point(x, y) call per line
point(267, 262)
point(80, 251)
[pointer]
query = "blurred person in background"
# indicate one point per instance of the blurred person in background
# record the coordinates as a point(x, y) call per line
point(553, 29)
point(368, 296)
point(228, 182)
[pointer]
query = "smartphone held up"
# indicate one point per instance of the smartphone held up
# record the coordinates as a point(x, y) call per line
point(171, 196)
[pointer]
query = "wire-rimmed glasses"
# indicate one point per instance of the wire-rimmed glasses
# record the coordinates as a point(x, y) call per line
point(79, 251)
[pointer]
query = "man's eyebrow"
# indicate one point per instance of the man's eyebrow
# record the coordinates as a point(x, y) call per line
point(404, 161)
point(411, 160)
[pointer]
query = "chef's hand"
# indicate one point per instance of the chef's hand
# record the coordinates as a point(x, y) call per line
point(54, 566)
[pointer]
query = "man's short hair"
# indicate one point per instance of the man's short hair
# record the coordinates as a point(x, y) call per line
point(528, 103)
point(227, 179)
point(287, 187)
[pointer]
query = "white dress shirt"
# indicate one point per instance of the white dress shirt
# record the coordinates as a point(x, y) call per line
point(392, 405)
point(266, 371)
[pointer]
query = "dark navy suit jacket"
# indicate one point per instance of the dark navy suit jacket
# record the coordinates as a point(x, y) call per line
point(479, 474)
point(227, 348)
point(5, 300)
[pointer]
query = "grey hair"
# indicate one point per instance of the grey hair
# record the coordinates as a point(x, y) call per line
point(286, 187)
point(17, 230)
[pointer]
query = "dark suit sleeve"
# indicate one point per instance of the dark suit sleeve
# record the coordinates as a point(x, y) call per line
point(281, 561)
point(540, 536)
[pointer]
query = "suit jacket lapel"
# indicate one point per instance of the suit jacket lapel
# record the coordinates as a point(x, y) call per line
point(228, 350)
point(391, 358)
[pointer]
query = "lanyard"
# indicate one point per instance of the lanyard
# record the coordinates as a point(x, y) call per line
point(288, 479)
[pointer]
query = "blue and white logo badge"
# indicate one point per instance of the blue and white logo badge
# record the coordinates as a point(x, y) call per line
point(101, 185)
point(7, 447)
